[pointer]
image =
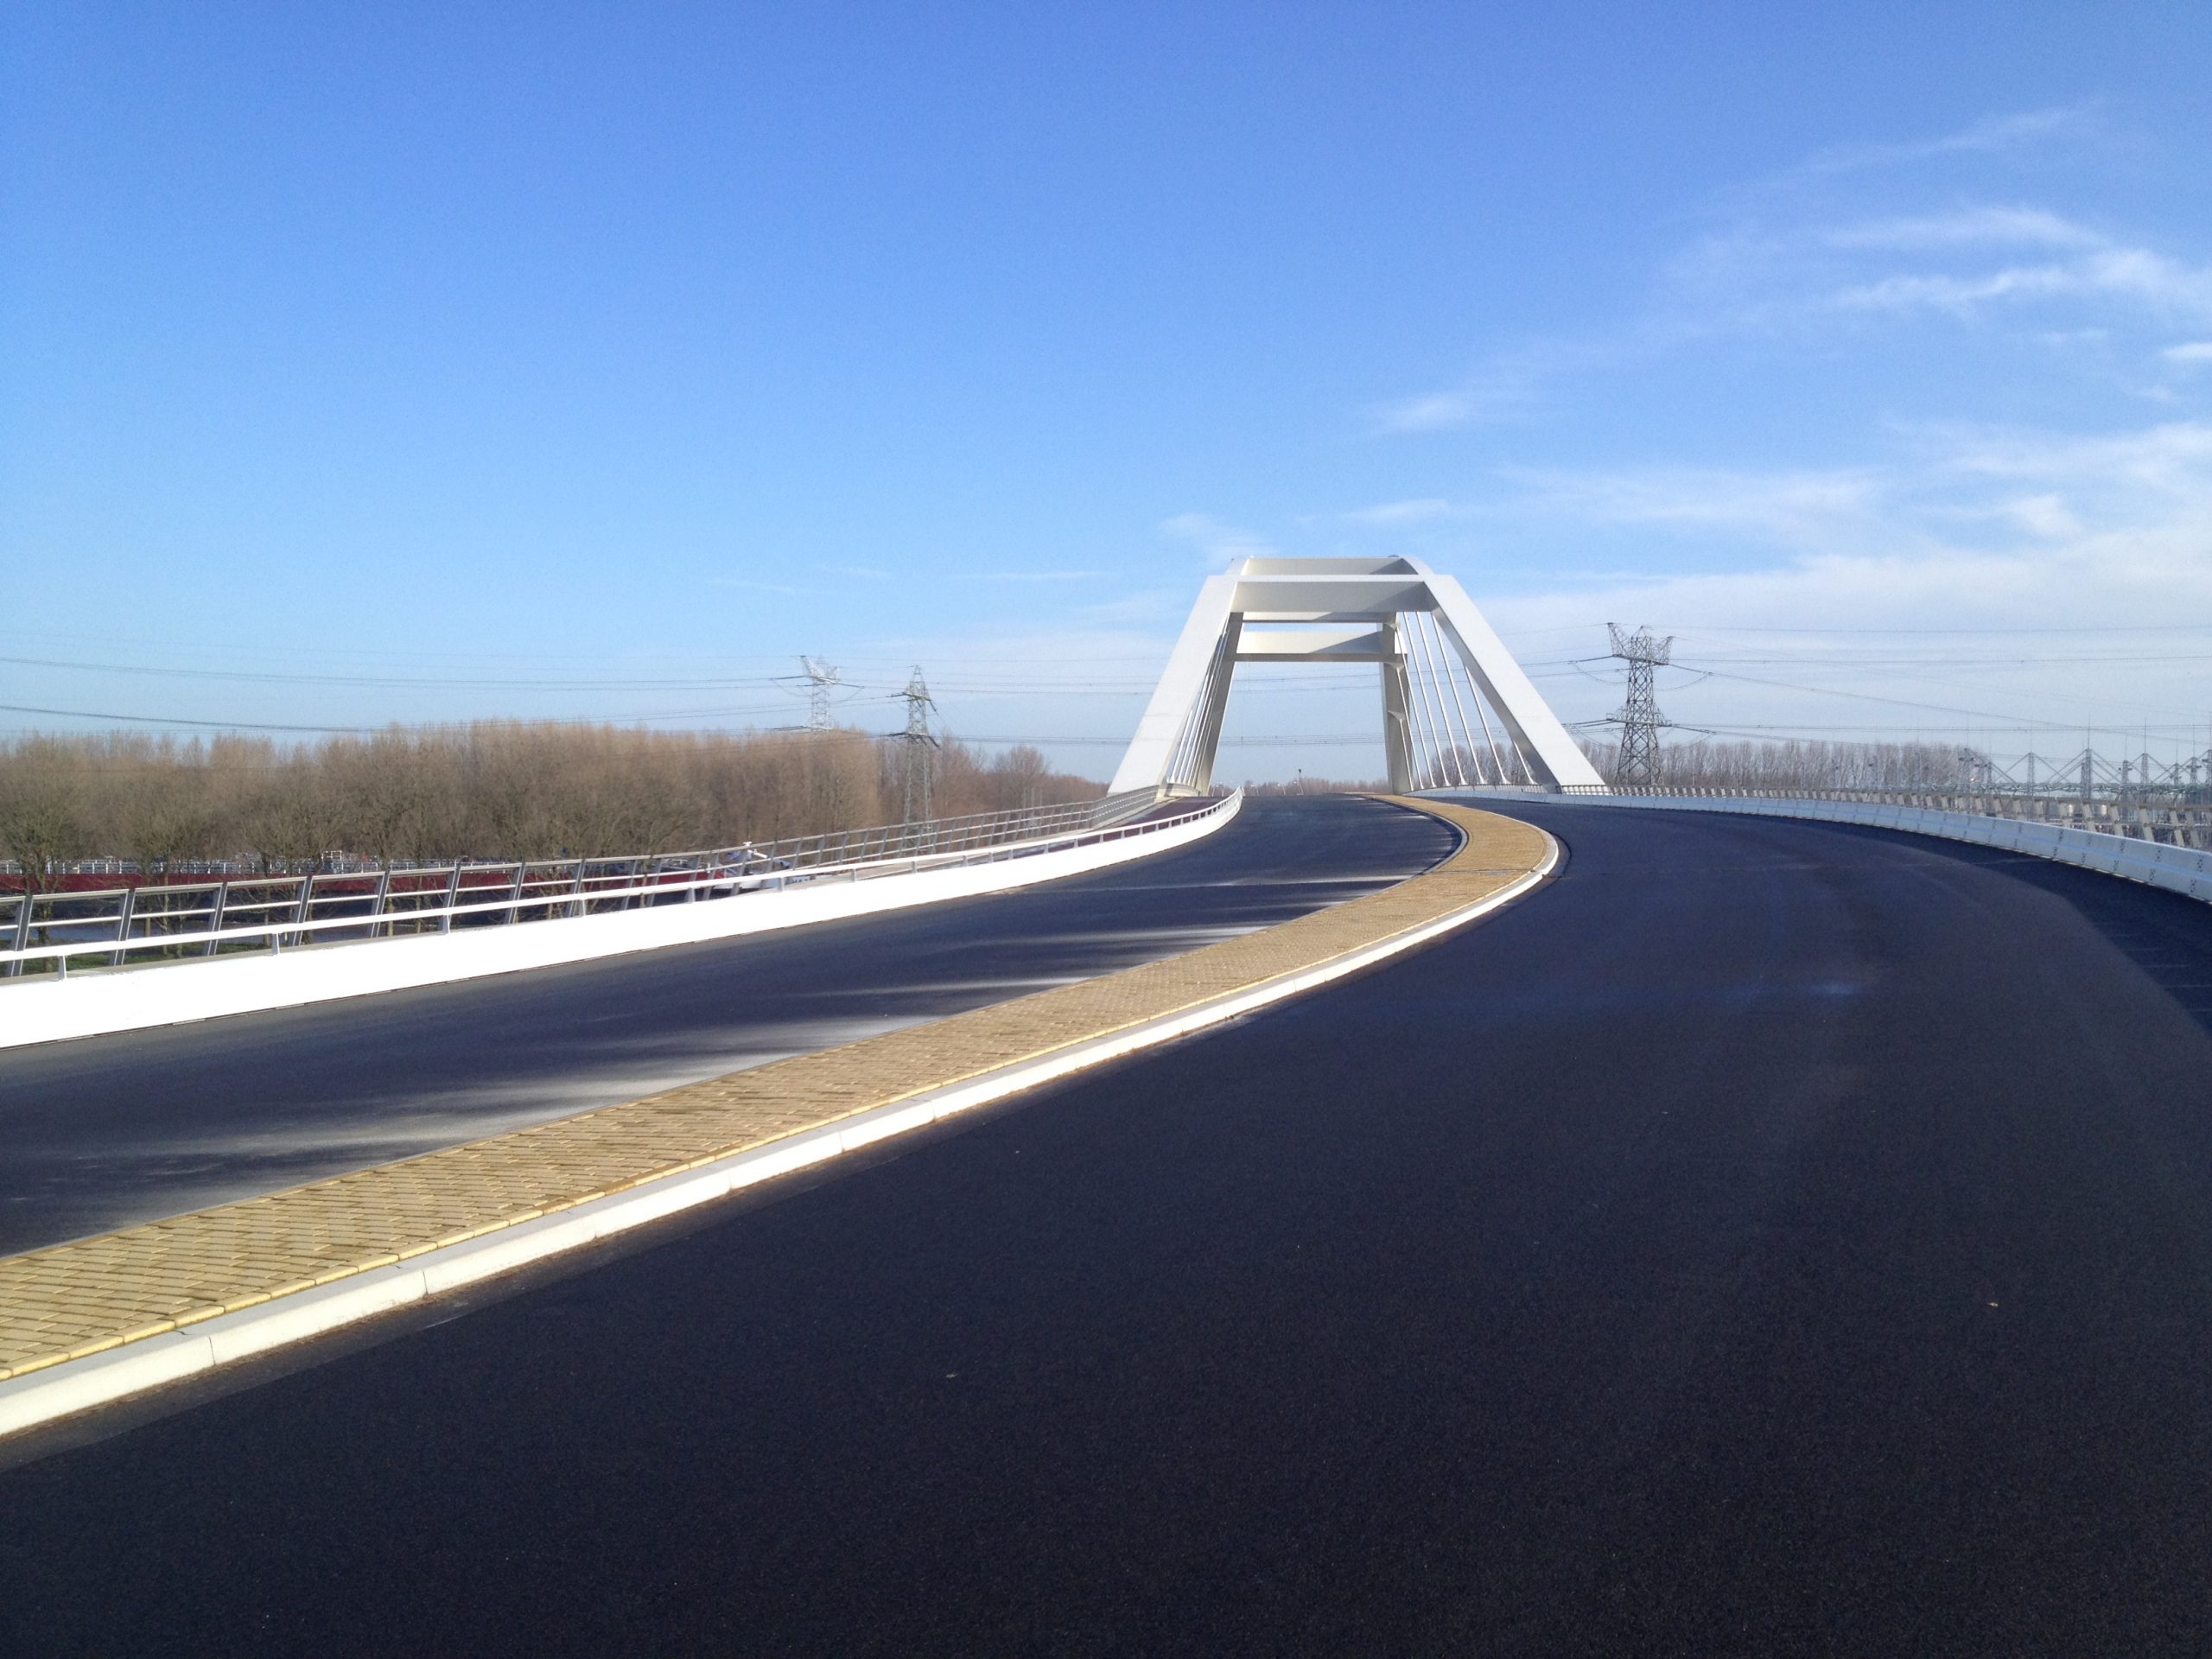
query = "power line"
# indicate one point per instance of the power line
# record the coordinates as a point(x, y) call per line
point(278, 726)
point(384, 681)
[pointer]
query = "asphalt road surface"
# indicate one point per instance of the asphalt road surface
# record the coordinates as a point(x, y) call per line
point(101, 1133)
point(1769, 1238)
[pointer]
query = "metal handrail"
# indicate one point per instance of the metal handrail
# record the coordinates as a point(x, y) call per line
point(273, 912)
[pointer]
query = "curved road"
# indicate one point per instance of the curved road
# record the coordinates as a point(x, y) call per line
point(100, 1132)
point(1769, 1238)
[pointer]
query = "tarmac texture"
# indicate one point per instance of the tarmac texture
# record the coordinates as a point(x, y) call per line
point(1769, 1238)
point(99, 1134)
point(71, 1300)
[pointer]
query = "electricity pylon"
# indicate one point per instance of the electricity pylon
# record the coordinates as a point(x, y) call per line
point(1639, 718)
point(821, 676)
point(917, 749)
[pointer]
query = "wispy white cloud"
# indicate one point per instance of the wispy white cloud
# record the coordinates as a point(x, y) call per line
point(1794, 260)
point(1969, 226)
point(2047, 516)
point(2040, 482)
point(1969, 530)
point(2168, 460)
point(1759, 275)
point(1511, 385)
point(1797, 511)
point(1218, 541)
point(761, 586)
point(2080, 527)
point(1428, 412)
point(1155, 606)
point(1952, 525)
point(2135, 274)
point(2055, 512)
point(1787, 266)
point(1029, 575)
point(1991, 136)
point(1427, 510)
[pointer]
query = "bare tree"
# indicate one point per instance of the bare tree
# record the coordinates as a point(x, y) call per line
point(42, 801)
point(149, 799)
point(494, 789)
point(291, 815)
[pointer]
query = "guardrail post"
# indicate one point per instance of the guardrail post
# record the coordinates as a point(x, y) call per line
point(306, 909)
point(215, 916)
point(22, 924)
point(514, 893)
point(375, 904)
point(453, 897)
point(123, 927)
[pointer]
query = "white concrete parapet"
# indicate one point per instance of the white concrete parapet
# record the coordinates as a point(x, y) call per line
point(53, 1009)
point(2178, 869)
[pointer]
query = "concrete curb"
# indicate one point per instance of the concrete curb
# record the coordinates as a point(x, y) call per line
point(98, 1379)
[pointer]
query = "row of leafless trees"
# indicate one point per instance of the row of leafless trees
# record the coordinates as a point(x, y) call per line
point(1716, 763)
point(491, 789)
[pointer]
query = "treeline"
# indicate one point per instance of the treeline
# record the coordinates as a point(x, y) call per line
point(1714, 763)
point(495, 790)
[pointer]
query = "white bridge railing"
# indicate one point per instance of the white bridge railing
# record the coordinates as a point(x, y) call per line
point(2100, 846)
point(66, 932)
point(2172, 819)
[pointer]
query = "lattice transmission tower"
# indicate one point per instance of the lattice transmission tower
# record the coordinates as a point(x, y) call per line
point(1639, 718)
point(917, 749)
point(822, 678)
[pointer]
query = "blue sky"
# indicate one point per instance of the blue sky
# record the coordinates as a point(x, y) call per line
point(435, 362)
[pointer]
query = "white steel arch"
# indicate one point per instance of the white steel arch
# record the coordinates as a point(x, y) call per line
point(1418, 626)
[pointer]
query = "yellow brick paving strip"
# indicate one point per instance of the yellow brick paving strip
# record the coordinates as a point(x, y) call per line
point(81, 1298)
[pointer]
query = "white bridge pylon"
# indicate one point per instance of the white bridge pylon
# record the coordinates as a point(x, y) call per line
point(1458, 712)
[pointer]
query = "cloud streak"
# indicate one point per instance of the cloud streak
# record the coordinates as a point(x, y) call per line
point(1217, 540)
point(1953, 523)
point(1972, 226)
point(2132, 275)
point(1970, 529)
point(748, 586)
point(1994, 135)
point(1796, 510)
point(1384, 514)
point(1793, 263)
point(1030, 575)
point(1513, 385)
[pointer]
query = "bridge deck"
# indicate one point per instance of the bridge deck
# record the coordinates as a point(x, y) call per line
point(91, 1294)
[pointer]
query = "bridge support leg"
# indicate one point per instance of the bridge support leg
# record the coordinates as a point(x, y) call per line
point(1397, 731)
